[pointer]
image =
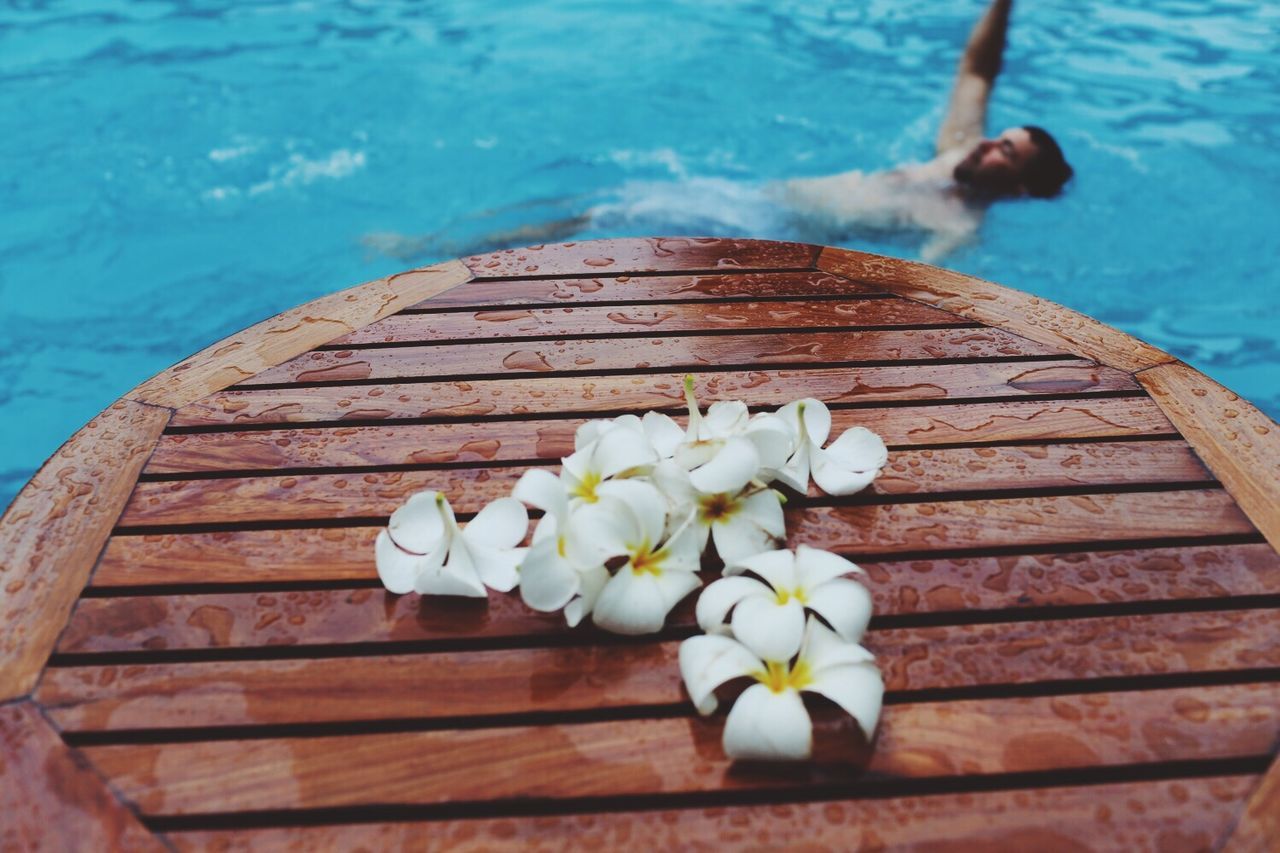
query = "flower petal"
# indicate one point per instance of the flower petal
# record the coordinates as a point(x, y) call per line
point(619, 450)
point(638, 602)
point(757, 525)
point(729, 470)
point(547, 581)
point(664, 434)
point(419, 525)
point(815, 566)
point(683, 549)
point(593, 581)
point(823, 649)
point(725, 418)
point(399, 569)
point(859, 449)
point(846, 605)
point(795, 474)
point(776, 567)
point(456, 577)
point(540, 488)
point(771, 630)
point(501, 524)
point(774, 441)
point(599, 531)
point(816, 420)
point(768, 726)
point(644, 501)
point(708, 661)
point(496, 567)
point(833, 478)
point(857, 688)
point(720, 597)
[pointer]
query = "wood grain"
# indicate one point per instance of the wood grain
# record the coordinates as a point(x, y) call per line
point(1257, 829)
point(53, 532)
point(855, 530)
point(665, 317)
point(1002, 307)
point(1136, 817)
point(672, 756)
point(1025, 522)
point(543, 395)
point(611, 257)
point(586, 677)
point(295, 497)
point(1239, 443)
point(656, 353)
point(371, 615)
point(499, 441)
point(294, 332)
point(51, 798)
point(667, 289)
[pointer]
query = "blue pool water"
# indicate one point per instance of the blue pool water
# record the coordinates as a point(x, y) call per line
point(174, 171)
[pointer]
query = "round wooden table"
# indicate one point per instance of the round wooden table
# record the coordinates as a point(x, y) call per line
point(1071, 551)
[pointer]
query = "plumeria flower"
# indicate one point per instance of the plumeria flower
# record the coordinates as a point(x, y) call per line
point(741, 524)
point(423, 549)
point(769, 721)
point(847, 466)
point(628, 522)
point(725, 449)
point(556, 572)
point(614, 451)
point(769, 616)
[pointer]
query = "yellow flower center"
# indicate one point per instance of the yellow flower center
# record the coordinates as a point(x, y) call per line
point(713, 508)
point(644, 561)
point(785, 595)
point(780, 676)
point(586, 487)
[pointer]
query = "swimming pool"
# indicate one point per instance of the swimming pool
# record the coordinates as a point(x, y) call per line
point(174, 171)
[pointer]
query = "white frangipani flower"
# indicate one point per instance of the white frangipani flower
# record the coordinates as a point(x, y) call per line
point(615, 450)
point(741, 524)
point(423, 549)
point(723, 450)
point(556, 572)
point(769, 617)
point(628, 521)
point(847, 466)
point(769, 722)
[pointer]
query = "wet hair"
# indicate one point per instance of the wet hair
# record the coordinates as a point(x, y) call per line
point(1047, 170)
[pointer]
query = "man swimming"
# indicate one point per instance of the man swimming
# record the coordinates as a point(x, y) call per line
point(945, 197)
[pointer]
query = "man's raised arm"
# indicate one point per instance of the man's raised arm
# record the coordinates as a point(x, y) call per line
point(967, 112)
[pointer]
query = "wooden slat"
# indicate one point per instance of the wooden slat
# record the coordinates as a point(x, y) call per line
point(296, 497)
point(872, 529)
point(294, 332)
point(55, 528)
point(1136, 817)
point(656, 319)
point(348, 616)
point(670, 756)
point(658, 353)
point(542, 395)
point(611, 257)
point(1003, 307)
point(1024, 522)
point(1258, 827)
point(435, 444)
point(1240, 443)
point(670, 289)
point(585, 678)
point(51, 799)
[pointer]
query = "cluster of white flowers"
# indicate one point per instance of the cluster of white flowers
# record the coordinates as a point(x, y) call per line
point(624, 528)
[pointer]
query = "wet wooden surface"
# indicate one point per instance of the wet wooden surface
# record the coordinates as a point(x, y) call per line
point(1075, 607)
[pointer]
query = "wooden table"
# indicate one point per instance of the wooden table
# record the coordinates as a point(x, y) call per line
point(1072, 554)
